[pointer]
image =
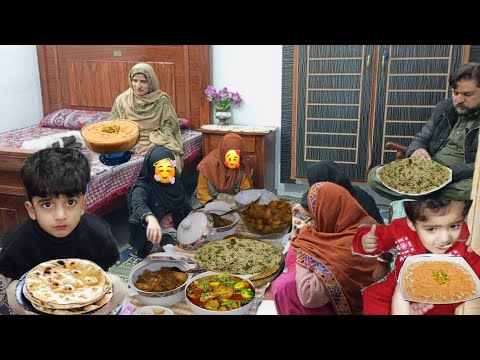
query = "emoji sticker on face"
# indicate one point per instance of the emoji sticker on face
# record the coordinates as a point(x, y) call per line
point(232, 159)
point(165, 171)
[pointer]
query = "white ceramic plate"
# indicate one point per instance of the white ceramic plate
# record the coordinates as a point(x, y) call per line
point(153, 310)
point(27, 305)
point(246, 197)
point(200, 311)
point(238, 257)
point(221, 206)
point(433, 257)
point(416, 194)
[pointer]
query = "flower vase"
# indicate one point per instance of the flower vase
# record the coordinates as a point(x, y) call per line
point(223, 116)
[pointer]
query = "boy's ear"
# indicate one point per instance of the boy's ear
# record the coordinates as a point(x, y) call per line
point(411, 225)
point(30, 210)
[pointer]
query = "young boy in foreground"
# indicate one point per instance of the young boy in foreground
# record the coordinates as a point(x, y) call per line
point(55, 181)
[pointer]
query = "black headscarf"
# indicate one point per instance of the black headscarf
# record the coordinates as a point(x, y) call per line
point(148, 195)
point(159, 198)
point(329, 171)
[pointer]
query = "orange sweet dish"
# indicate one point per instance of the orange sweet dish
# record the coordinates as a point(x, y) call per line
point(111, 136)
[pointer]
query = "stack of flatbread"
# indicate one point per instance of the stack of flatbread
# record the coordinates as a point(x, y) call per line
point(67, 287)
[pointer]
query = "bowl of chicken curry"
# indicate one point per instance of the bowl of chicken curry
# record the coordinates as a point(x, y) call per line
point(159, 282)
point(213, 293)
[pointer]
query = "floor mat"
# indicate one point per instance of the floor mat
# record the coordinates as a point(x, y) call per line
point(123, 267)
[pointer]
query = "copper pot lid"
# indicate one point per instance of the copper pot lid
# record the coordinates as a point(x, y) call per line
point(196, 225)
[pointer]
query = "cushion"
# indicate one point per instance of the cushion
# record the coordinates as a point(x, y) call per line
point(73, 119)
point(184, 124)
point(77, 119)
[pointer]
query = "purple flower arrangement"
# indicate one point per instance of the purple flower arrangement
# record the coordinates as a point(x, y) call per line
point(222, 99)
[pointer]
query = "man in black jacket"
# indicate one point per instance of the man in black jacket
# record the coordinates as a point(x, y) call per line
point(449, 137)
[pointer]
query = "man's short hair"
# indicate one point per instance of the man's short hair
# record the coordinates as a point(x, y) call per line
point(470, 71)
point(55, 171)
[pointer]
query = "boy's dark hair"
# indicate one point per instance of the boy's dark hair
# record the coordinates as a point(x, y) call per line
point(470, 71)
point(415, 210)
point(55, 171)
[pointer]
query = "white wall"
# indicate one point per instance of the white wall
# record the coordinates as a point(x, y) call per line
point(255, 71)
point(20, 92)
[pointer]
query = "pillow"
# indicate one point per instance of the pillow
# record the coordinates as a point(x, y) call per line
point(184, 123)
point(73, 119)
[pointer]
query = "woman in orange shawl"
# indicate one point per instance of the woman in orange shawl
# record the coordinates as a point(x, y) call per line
point(328, 276)
point(216, 177)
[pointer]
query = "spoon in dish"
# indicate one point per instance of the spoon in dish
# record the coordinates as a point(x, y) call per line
point(443, 247)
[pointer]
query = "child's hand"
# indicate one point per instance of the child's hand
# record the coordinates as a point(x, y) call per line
point(154, 231)
point(299, 209)
point(370, 240)
point(400, 306)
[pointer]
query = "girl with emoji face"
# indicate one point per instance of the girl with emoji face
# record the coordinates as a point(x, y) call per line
point(157, 202)
point(224, 170)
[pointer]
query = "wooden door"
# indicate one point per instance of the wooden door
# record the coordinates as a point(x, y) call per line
point(351, 99)
point(411, 80)
point(334, 89)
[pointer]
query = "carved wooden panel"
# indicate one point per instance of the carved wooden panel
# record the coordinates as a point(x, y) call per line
point(87, 77)
point(259, 149)
point(12, 213)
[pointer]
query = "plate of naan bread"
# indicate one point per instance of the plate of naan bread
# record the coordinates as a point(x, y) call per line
point(64, 287)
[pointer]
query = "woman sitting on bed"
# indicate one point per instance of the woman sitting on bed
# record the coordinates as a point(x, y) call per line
point(157, 203)
point(152, 110)
point(223, 170)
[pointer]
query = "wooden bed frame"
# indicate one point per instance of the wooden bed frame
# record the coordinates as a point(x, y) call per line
point(90, 77)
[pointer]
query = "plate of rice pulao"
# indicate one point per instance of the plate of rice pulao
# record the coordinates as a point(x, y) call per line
point(257, 260)
point(64, 287)
point(414, 176)
point(438, 279)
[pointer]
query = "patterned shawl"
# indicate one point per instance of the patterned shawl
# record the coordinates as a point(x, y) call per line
point(326, 248)
point(153, 112)
point(213, 168)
